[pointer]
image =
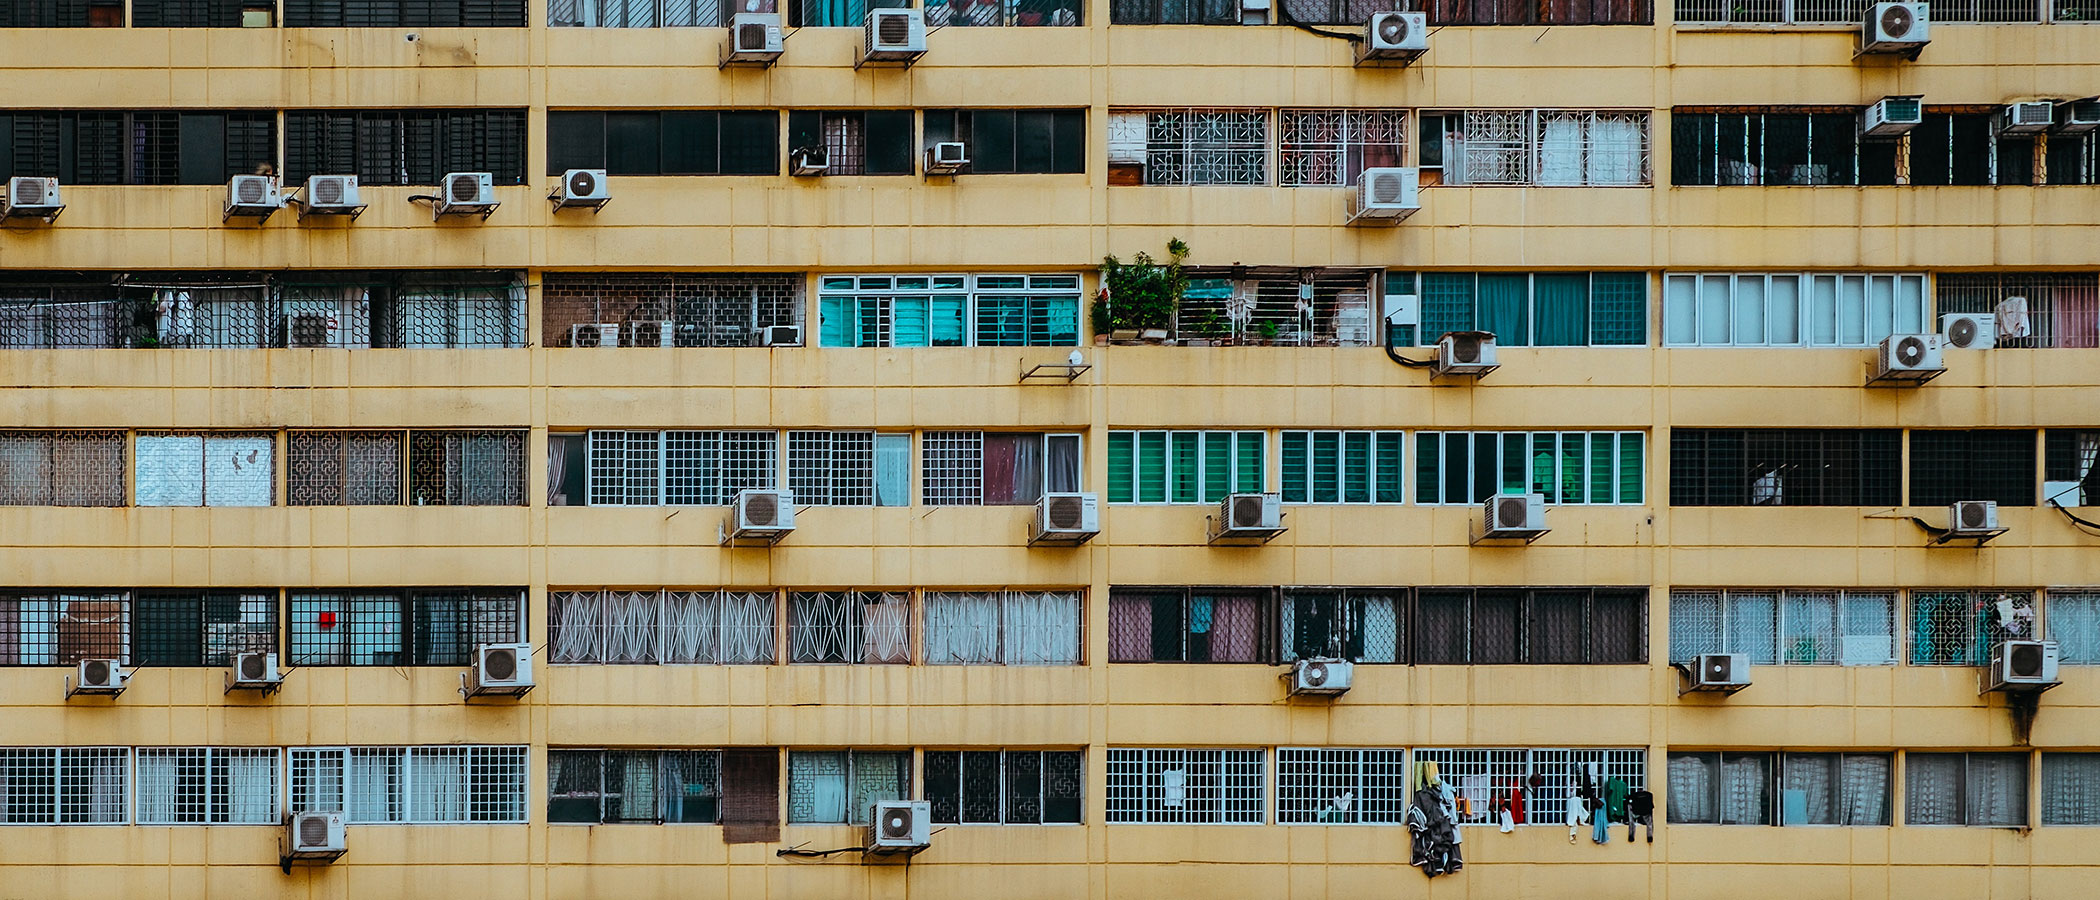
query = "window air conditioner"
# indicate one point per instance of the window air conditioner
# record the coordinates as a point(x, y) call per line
point(2079, 116)
point(1321, 677)
point(947, 158)
point(1895, 28)
point(312, 837)
point(778, 336)
point(582, 188)
point(1514, 516)
point(252, 195)
point(1250, 516)
point(808, 161)
point(1912, 358)
point(255, 671)
point(32, 198)
point(900, 827)
point(601, 334)
point(330, 195)
point(1465, 353)
point(504, 669)
point(99, 676)
point(467, 194)
point(2032, 117)
point(760, 518)
point(894, 35)
point(1891, 116)
point(1970, 331)
point(1973, 518)
point(309, 330)
point(1385, 196)
point(1066, 519)
point(2022, 666)
point(754, 39)
point(659, 333)
point(1393, 36)
point(1721, 672)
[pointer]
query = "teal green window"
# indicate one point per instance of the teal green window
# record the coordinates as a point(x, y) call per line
point(1341, 466)
point(1568, 468)
point(949, 311)
point(1184, 466)
point(1543, 309)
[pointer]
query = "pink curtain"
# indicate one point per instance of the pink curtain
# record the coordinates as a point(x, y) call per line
point(1130, 629)
point(1234, 629)
point(2077, 316)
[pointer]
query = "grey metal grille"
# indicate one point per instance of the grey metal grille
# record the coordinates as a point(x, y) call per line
point(650, 786)
point(1016, 787)
point(1206, 146)
point(411, 785)
point(1480, 776)
point(1341, 786)
point(466, 468)
point(2059, 309)
point(670, 309)
point(44, 628)
point(1960, 628)
point(62, 468)
point(1791, 627)
point(954, 467)
point(832, 468)
point(1185, 787)
point(436, 627)
point(1335, 146)
point(670, 627)
point(1852, 12)
point(1272, 305)
point(208, 786)
point(639, 13)
point(203, 628)
point(64, 785)
point(343, 468)
point(841, 786)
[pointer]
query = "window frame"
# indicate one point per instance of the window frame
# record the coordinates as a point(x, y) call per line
point(1500, 441)
point(861, 310)
point(1237, 481)
point(246, 637)
point(399, 612)
point(1496, 768)
point(945, 466)
point(1785, 639)
point(659, 799)
point(1605, 298)
point(1749, 467)
point(1004, 802)
point(1960, 801)
point(218, 785)
point(1522, 141)
point(1529, 611)
point(69, 769)
point(1970, 640)
point(850, 775)
point(1683, 327)
point(399, 782)
point(1003, 640)
point(1142, 771)
point(1300, 776)
point(610, 639)
point(1259, 623)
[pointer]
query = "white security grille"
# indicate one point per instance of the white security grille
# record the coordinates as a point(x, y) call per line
point(708, 468)
point(832, 468)
point(208, 785)
point(1497, 147)
point(1482, 776)
point(954, 467)
point(625, 468)
point(1960, 628)
point(724, 627)
point(849, 627)
point(217, 469)
point(1185, 787)
point(414, 785)
point(1207, 146)
point(2074, 624)
point(1794, 627)
point(1016, 628)
point(63, 785)
point(1341, 786)
point(842, 786)
point(61, 468)
point(1335, 146)
point(1545, 147)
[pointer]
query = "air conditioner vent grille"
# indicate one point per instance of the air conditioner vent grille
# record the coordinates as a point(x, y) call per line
point(96, 673)
point(893, 30)
point(1897, 21)
point(1066, 512)
point(1246, 510)
point(762, 509)
point(254, 667)
point(328, 191)
point(313, 831)
point(502, 665)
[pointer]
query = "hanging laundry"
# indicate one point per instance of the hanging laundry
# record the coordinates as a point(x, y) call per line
point(1640, 808)
point(1433, 834)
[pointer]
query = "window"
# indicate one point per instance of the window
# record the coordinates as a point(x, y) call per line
point(1174, 12)
point(842, 786)
point(651, 786)
point(60, 628)
point(671, 142)
point(1335, 146)
point(401, 628)
point(644, 13)
point(849, 468)
point(670, 627)
point(1004, 787)
point(147, 147)
point(1341, 786)
point(1014, 628)
point(1197, 625)
point(835, 13)
point(1793, 627)
point(2071, 788)
point(1542, 309)
point(949, 311)
point(445, 468)
point(206, 470)
point(61, 468)
point(678, 468)
point(1189, 146)
point(849, 627)
point(208, 786)
point(862, 142)
point(398, 14)
point(2034, 309)
point(1002, 12)
point(1577, 467)
point(1962, 147)
point(1728, 788)
point(411, 785)
point(1548, 12)
point(669, 309)
point(474, 309)
point(1841, 13)
point(1540, 626)
point(185, 14)
point(1972, 464)
point(202, 628)
point(206, 312)
point(1184, 466)
point(1539, 147)
point(1791, 309)
point(1776, 146)
point(1357, 624)
point(1988, 789)
point(2071, 158)
point(1961, 628)
point(63, 785)
point(46, 316)
point(383, 146)
point(49, 14)
point(2074, 624)
point(1010, 141)
point(996, 468)
point(1715, 788)
point(1785, 467)
point(1342, 466)
point(1483, 776)
point(750, 795)
point(1185, 787)
point(1228, 306)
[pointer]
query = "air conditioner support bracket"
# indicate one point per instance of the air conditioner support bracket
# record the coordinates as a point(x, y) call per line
point(1436, 374)
point(1910, 55)
point(1944, 536)
point(1905, 380)
point(1053, 371)
point(1684, 680)
point(263, 689)
point(72, 690)
point(1476, 535)
point(726, 538)
point(728, 57)
point(352, 211)
point(596, 206)
point(482, 210)
point(1254, 539)
point(860, 60)
point(45, 218)
point(1399, 59)
point(468, 691)
point(262, 218)
point(1983, 688)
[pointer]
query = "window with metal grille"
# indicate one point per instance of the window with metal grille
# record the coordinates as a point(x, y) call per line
point(995, 468)
point(849, 468)
point(1849, 12)
point(344, 468)
point(60, 628)
point(1341, 786)
point(1004, 787)
point(663, 626)
point(145, 147)
point(1790, 627)
point(60, 14)
point(1786, 467)
point(1277, 305)
point(855, 142)
point(1539, 626)
point(64, 785)
point(1484, 779)
point(1730, 788)
point(1791, 309)
point(1716, 788)
point(642, 13)
point(235, 310)
point(1366, 625)
point(1185, 466)
point(438, 627)
point(1342, 466)
point(1335, 146)
point(868, 627)
point(185, 13)
point(1185, 787)
point(410, 785)
point(1189, 146)
point(1565, 147)
point(2033, 309)
point(452, 315)
point(1962, 146)
point(1541, 309)
point(1174, 12)
point(213, 469)
point(680, 468)
point(948, 311)
point(2074, 624)
point(377, 309)
point(842, 14)
point(2071, 788)
point(629, 786)
point(407, 14)
point(1012, 628)
point(394, 146)
point(1569, 468)
point(202, 628)
point(73, 315)
point(466, 468)
point(1961, 628)
point(1776, 146)
point(1984, 789)
point(208, 786)
point(1020, 13)
point(669, 142)
point(444, 468)
point(1972, 464)
point(842, 786)
point(62, 468)
point(1196, 625)
point(669, 309)
point(1548, 12)
point(1009, 141)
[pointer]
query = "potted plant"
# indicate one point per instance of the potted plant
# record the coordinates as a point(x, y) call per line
point(1138, 299)
point(1267, 327)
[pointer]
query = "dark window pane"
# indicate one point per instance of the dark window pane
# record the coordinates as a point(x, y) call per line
point(944, 785)
point(1496, 626)
point(691, 143)
point(889, 142)
point(632, 143)
point(1440, 626)
point(575, 140)
point(1950, 466)
point(992, 141)
point(203, 151)
point(750, 143)
point(170, 632)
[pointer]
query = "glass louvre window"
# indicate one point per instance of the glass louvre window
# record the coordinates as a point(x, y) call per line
point(1189, 146)
point(411, 785)
point(1196, 625)
point(208, 786)
point(1334, 146)
point(1004, 787)
point(1983, 789)
point(993, 468)
point(1785, 467)
point(1341, 786)
point(1790, 627)
point(842, 786)
point(1536, 147)
point(1490, 626)
point(678, 468)
point(1961, 628)
point(48, 628)
point(205, 469)
point(1185, 787)
point(390, 14)
point(2074, 624)
point(1184, 466)
point(2034, 309)
point(871, 627)
point(1358, 624)
point(1791, 309)
point(1540, 309)
point(647, 786)
point(1577, 467)
point(1713, 788)
point(2071, 788)
point(662, 627)
point(1341, 466)
point(396, 628)
point(201, 629)
point(849, 468)
point(949, 311)
point(141, 147)
point(64, 785)
point(62, 468)
point(1013, 628)
point(403, 146)
point(1482, 776)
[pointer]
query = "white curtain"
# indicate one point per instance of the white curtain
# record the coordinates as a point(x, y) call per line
point(893, 470)
point(317, 781)
point(1932, 788)
point(158, 775)
point(2071, 788)
point(251, 786)
point(169, 470)
point(1870, 636)
point(1617, 146)
point(575, 636)
point(1042, 628)
point(1560, 151)
point(437, 784)
point(1062, 473)
point(95, 786)
point(962, 628)
point(1996, 790)
point(1863, 790)
point(374, 790)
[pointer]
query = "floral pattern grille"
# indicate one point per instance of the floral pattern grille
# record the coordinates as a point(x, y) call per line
point(1207, 146)
point(1335, 146)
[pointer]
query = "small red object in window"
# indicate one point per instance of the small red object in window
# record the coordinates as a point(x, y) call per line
point(328, 620)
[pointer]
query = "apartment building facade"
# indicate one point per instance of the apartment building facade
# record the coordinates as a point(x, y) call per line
point(375, 433)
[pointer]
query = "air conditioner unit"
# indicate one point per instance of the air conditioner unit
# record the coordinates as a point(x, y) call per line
point(600, 334)
point(777, 336)
point(255, 671)
point(252, 195)
point(659, 333)
point(310, 330)
point(504, 669)
point(1911, 358)
point(330, 195)
point(808, 161)
point(582, 188)
point(32, 198)
point(1465, 353)
point(312, 837)
point(1391, 36)
point(1321, 677)
point(1250, 516)
point(1514, 516)
point(2078, 116)
point(1973, 518)
point(754, 39)
point(2022, 666)
point(467, 194)
point(1896, 28)
point(1386, 195)
point(900, 826)
point(760, 518)
point(1063, 518)
point(947, 158)
point(99, 676)
point(2032, 117)
point(1970, 331)
point(1722, 672)
point(894, 35)
point(1891, 116)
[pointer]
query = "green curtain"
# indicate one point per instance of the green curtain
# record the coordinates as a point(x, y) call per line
point(1503, 309)
point(1563, 305)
